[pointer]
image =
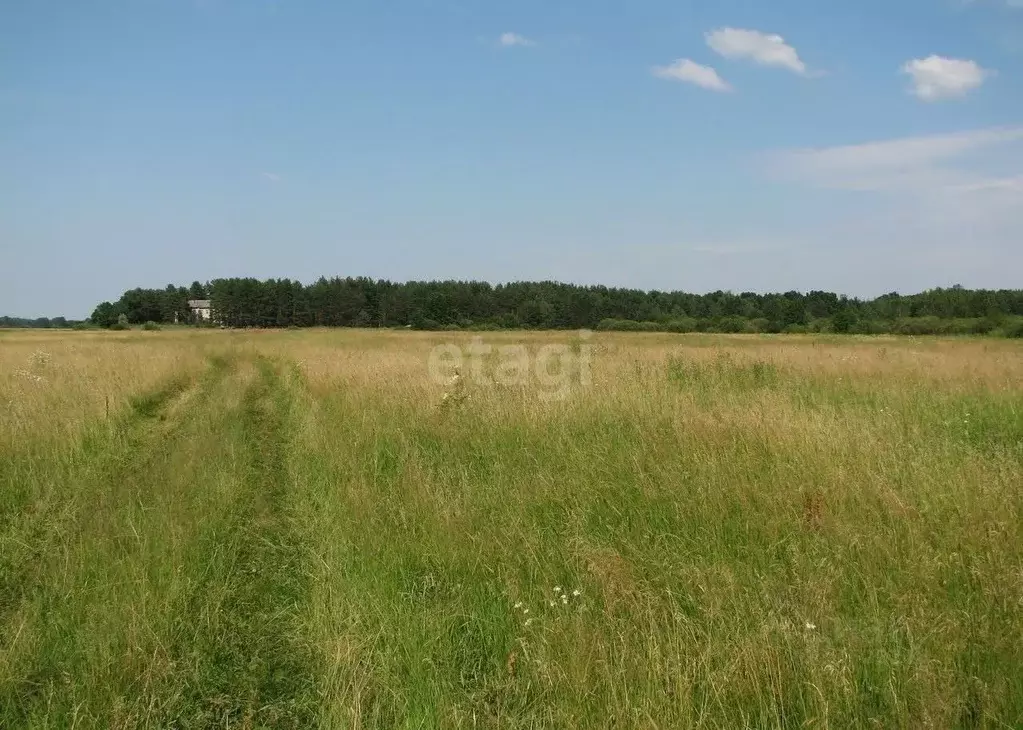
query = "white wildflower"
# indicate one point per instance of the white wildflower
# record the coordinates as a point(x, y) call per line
point(557, 589)
point(810, 626)
point(517, 605)
point(27, 375)
point(577, 593)
point(564, 598)
point(529, 621)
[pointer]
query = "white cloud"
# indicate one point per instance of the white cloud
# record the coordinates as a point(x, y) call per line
point(271, 176)
point(511, 40)
point(899, 164)
point(692, 73)
point(937, 77)
point(951, 185)
point(940, 208)
point(763, 48)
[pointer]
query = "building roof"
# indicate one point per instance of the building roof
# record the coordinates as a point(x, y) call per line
point(199, 303)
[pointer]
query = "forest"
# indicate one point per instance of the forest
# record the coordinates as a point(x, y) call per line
point(37, 323)
point(439, 305)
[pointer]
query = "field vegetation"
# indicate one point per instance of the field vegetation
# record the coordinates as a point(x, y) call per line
point(294, 529)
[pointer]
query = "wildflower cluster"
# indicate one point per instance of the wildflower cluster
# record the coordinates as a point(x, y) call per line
point(563, 597)
point(524, 609)
point(28, 375)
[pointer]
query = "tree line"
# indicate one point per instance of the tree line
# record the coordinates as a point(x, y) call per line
point(437, 305)
point(37, 323)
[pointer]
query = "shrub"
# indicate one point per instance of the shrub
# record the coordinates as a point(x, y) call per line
point(680, 325)
point(921, 326)
point(732, 324)
point(627, 325)
point(151, 327)
point(821, 324)
point(1012, 329)
point(508, 321)
point(871, 327)
point(608, 325)
point(983, 325)
point(760, 324)
point(121, 323)
point(843, 320)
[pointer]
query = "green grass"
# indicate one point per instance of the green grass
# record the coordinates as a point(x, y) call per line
point(720, 532)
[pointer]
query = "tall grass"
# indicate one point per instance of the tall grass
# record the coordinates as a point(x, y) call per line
point(294, 529)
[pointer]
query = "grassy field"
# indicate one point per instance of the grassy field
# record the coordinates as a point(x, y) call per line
point(307, 529)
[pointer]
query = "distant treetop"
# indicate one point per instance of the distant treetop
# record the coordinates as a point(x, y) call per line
point(364, 302)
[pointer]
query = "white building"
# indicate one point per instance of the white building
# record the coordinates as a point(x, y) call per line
point(200, 308)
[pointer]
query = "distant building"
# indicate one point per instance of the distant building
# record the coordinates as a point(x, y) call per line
point(200, 309)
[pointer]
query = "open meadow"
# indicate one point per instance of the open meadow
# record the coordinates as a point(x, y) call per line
point(298, 529)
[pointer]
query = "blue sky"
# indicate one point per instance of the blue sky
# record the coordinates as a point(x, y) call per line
point(861, 147)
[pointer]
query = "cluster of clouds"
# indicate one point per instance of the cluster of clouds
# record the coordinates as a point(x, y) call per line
point(925, 168)
point(932, 79)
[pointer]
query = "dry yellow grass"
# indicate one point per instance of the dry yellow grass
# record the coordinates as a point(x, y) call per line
point(51, 383)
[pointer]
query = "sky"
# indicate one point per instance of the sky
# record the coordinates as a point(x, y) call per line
point(857, 146)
